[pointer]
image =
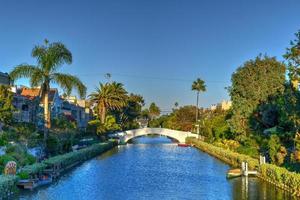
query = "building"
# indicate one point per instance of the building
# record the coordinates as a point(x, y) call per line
point(29, 107)
point(225, 105)
point(54, 100)
point(213, 107)
point(26, 108)
point(4, 79)
point(77, 110)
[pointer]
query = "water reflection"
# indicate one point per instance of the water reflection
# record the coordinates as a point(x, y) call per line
point(154, 168)
point(251, 188)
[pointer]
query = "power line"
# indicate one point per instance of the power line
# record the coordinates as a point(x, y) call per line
point(165, 78)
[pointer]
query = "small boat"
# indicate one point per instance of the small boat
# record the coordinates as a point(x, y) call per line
point(45, 180)
point(30, 184)
point(232, 173)
point(183, 145)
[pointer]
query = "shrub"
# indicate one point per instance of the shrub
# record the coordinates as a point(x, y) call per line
point(52, 145)
point(23, 175)
point(230, 157)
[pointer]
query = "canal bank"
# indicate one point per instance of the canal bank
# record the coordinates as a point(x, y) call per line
point(154, 168)
point(57, 165)
point(278, 176)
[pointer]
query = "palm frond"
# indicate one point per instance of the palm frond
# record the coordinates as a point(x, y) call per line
point(51, 56)
point(23, 71)
point(199, 85)
point(69, 82)
point(37, 78)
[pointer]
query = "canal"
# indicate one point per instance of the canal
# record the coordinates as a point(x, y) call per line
point(154, 168)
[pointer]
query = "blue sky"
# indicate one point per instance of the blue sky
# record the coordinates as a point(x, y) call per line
point(155, 47)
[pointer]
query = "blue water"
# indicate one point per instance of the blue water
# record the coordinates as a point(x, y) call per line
point(154, 168)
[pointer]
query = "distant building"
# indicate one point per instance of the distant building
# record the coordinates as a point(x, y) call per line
point(213, 107)
point(4, 79)
point(225, 105)
point(143, 122)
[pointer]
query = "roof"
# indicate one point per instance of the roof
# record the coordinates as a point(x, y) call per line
point(34, 92)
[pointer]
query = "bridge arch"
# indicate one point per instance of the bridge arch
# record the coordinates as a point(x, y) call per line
point(130, 134)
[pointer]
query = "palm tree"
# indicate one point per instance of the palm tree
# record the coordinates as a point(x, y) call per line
point(199, 86)
point(50, 57)
point(108, 96)
point(176, 104)
point(154, 111)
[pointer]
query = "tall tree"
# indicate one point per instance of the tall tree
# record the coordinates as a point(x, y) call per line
point(198, 86)
point(108, 96)
point(292, 56)
point(176, 104)
point(154, 111)
point(253, 84)
point(130, 112)
point(50, 57)
point(6, 106)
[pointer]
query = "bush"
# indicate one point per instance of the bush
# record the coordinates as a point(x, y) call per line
point(5, 159)
point(7, 183)
point(23, 175)
point(52, 145)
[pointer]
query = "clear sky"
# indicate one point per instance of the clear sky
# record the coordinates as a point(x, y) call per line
point(155, 47)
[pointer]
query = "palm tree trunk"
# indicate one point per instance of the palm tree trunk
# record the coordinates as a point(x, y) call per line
point(47, 123)
point(103, 113)
point(197, 107)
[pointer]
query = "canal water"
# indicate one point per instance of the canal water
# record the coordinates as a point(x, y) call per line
point(154, 168)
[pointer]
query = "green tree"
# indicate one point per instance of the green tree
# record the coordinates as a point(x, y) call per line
point(154, 111)
point(108, 96)
point(130, 112)
point(182, 118)
point(254, 84)
point(198, 86)
point(176, 104)
point(6, 107)
point(50, 57)
point(110, 124)
point(292, 56)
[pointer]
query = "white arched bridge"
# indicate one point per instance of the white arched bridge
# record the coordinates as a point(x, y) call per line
point(125, 136)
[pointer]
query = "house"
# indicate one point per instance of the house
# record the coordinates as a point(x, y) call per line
point(4, 79)
point(225, 105)
point(55, 102)
point(213, 107)
point(77, 110)
point(26, 108)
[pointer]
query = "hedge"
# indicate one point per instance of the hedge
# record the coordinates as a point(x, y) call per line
point(281, 177)
point(227, 156)
point(7, 185)
point(78, 156)
point(34, 168)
